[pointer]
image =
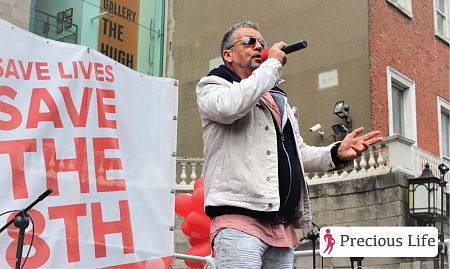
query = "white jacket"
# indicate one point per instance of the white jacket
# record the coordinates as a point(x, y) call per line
point(240, 144)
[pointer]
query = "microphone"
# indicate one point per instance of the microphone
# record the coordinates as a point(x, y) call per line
point(45, 194)
point(286, 49)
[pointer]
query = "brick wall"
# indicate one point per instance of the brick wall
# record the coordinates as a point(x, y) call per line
point(409, 46)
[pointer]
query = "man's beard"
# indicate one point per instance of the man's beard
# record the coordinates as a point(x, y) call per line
point(248, 65)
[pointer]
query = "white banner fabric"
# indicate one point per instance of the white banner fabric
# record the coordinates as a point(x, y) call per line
point(103, 137)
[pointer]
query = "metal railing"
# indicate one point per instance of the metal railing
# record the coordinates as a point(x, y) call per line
point(48, 26)
point(210, 263)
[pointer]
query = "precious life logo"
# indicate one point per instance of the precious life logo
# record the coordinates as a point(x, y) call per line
point(379, 241)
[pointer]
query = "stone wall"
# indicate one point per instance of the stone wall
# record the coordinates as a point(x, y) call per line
point(16, 12)
point(181, 243)
point(373, 201)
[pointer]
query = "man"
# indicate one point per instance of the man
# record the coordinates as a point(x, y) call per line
point(255, 190)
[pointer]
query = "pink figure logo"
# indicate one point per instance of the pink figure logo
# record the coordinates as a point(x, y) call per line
point(330, 241)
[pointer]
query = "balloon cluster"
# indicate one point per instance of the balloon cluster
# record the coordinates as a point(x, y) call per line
point(196, 224)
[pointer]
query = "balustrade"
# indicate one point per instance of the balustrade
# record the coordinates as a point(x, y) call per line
point(395, 152)
point(372, 162)
point(188, 165)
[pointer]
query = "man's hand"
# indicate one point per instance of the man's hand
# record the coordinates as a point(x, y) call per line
point(276, 52)
point(354, 145)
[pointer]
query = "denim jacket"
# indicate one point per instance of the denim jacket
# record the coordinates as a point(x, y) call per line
point(240, 144)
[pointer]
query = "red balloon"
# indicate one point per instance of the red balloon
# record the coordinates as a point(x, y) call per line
point(195, 240)
point(199, 183)
point(185, 228)
point(183, 204)
point(202, 250)
point(198, 222)
point(198, 200)
point(199, 237)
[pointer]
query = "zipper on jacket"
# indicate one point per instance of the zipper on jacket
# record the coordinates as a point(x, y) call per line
point(280, 130)
point(290, 170)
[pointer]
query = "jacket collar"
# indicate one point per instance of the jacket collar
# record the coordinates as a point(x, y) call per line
point(225, 73)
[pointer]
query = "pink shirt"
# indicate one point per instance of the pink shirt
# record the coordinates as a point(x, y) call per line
point(273, 234)
point(273, 107)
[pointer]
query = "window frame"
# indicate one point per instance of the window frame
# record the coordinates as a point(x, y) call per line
point(404, 6)
point(443, 107)
point(409, 103)
point(446, 25)
point(401, 110)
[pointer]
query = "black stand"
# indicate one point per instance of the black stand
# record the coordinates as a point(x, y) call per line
point(358, 261)
point(441, 247)
point(313, 235)
point(21, 221)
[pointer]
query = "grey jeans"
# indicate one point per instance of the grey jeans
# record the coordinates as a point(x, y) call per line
point(234, 249)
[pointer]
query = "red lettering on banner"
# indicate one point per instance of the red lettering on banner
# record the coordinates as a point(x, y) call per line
point(16, 150)
point(99, 72)
point(103, 164)
point(103, 108)
point(42, 250)
point(86, 73)
point(62, 73)
point(42, 71)
point(34, 114)
point(78, 119)
point(11, 69)
point(53, 166)
point(12, 111)
point(41, 96)
point(109, 73)
point(70, 214)
point(75, 69)
point(102, 228)
point(19, 69)
point(26, 73)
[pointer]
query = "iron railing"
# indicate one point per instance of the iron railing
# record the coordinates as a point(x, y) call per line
point(49, 26)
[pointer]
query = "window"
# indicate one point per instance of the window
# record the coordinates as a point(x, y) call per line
point(132, 33)
point(441, 19)
point(398, 109)
point(401, 104)
point(405, 6)
point(444, 127)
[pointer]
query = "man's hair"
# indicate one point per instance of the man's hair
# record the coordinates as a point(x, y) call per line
point(227, 40)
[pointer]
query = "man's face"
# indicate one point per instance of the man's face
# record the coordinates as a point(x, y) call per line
point(244, 58)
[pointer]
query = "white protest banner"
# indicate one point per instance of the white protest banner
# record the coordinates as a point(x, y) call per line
point(103, 137)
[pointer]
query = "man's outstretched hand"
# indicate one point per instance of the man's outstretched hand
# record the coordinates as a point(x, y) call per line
point(354, 145)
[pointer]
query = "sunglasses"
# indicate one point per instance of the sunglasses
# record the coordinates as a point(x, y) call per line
point(251, 41)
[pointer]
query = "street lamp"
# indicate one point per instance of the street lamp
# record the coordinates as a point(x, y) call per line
point(428, 202)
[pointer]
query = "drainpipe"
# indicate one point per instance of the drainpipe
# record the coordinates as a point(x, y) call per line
point(169, 31)
point(447, 245)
